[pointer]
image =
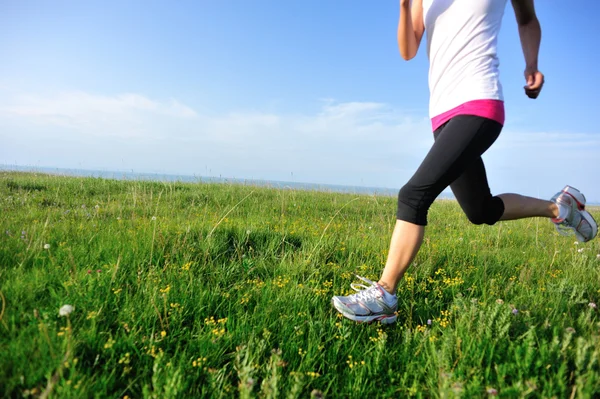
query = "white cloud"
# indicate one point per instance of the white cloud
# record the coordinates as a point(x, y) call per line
point(548, 140)
point(355, 143)
point(341, 143)
point(122, 115)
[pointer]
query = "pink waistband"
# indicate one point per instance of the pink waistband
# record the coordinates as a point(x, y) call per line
point(491, 109)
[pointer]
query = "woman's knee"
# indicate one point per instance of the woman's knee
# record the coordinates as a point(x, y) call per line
point(477, 216)
point(413, 204)
point(488, 211)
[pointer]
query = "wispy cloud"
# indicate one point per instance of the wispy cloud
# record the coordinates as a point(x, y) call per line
point(341, 142)
point(121, 115)
point(549, 140)
point(367, 143)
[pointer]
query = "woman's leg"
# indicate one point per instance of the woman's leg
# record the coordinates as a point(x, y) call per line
point(455, 160)
point(473, 194)
point(457, 145)
point(566, 209)
point(518, 206)
point(404, 246)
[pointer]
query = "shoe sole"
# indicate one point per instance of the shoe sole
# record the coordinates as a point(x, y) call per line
point(585, 215)
point(383, 319)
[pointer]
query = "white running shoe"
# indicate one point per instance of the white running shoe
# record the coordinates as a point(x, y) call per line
point(371, 303)
point(573, 217)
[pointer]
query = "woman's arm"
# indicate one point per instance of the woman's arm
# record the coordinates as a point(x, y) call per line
point(410, 28)
point(530, 32)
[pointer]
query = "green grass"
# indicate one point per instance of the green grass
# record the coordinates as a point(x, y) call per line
point(208, 290)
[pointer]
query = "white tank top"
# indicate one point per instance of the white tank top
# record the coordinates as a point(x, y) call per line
point(462, 38)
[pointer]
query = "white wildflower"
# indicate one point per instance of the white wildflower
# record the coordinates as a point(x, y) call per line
point(46, 246)
point(592, 305)
point(66, 310)
point(153, 217)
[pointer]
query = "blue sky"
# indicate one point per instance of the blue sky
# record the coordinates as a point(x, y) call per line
point(305, 91)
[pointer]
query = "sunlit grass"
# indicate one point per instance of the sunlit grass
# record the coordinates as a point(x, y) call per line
point(214, 290)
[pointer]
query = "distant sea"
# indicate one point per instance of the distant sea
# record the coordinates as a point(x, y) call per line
point(122, 175)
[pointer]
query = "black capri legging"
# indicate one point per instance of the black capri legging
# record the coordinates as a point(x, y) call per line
point(454, 160)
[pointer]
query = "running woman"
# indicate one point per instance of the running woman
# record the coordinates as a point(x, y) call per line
point(467, 114)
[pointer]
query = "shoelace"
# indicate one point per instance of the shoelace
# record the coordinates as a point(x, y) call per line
point(365, 292)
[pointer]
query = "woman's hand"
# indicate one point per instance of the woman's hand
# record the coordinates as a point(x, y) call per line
point(535, 82)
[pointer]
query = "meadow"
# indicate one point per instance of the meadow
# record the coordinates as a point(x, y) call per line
point(182, 290)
